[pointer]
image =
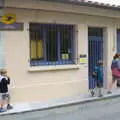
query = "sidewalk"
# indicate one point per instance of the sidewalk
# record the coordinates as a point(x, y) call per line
point(34, 106)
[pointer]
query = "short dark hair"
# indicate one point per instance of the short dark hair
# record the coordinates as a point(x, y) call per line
point(117, 55)
point(100, 62)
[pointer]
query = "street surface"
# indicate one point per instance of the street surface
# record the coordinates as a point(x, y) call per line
point(108, 109)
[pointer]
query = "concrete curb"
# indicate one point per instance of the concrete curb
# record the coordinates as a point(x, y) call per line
point(62, 104)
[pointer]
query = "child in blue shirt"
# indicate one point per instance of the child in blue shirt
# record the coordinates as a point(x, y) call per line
point(98, 73)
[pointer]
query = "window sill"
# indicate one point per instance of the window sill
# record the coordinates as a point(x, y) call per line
point(50, 68)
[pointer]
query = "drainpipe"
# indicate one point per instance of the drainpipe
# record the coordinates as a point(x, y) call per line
point(2, 53)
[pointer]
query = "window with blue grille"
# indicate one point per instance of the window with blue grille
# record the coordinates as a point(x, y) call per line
point(118, 40)
point(51, 44)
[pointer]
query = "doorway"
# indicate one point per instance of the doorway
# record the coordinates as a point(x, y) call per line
point(95, 51)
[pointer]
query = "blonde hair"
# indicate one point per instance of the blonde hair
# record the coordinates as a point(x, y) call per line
point(3, 71)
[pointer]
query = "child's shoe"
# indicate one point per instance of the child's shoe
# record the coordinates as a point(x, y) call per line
point(109, 92)
point(92, 93)
point(9, 107)
point(2, 110)
point(100, 95)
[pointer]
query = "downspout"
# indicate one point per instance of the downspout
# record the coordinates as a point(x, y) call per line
point(2, 53)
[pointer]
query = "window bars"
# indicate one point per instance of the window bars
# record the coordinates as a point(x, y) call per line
point(51, 44)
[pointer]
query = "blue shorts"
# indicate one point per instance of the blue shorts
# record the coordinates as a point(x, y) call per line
point(99, 84)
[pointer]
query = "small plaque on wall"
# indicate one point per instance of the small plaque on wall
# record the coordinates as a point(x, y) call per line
point(11, 27)
point(83, 59)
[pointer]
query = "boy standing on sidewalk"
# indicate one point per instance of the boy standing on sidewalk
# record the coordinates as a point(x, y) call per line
point(4, 95)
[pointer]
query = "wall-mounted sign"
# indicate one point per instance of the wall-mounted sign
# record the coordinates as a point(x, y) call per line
point(14, 26)
point(8, 18)
point(83, 59)
point(65, 56)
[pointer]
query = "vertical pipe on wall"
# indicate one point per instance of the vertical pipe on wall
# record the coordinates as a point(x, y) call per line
point(2, 53)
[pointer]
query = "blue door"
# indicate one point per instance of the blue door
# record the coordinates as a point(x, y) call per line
point(95, 50)
point(118, 40)
point(118, 49)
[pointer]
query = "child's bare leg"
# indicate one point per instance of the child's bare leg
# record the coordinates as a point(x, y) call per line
point(100, 92)
point(8, 103)
point(2, 102)
point(2, 105)
point(112, 83)
point(8, 99)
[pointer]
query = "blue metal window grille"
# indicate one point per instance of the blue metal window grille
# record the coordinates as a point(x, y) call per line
point(51, 44)
point(118, 40)
point(95, 40)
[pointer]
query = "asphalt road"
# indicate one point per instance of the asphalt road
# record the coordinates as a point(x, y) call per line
point(101, 110)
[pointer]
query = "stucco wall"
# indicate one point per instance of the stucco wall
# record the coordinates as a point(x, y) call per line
point(43, 85)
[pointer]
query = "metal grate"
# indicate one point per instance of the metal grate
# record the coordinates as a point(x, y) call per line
point(51, 44)
point(118, 40)
point(95, 40)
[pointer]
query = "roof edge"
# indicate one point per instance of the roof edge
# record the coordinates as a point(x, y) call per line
point(86, 3)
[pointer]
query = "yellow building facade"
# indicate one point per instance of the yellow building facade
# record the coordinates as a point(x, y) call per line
point(44, 82)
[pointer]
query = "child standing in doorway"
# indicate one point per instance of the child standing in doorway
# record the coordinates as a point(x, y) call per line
point(98, 76)
point(4, 94)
